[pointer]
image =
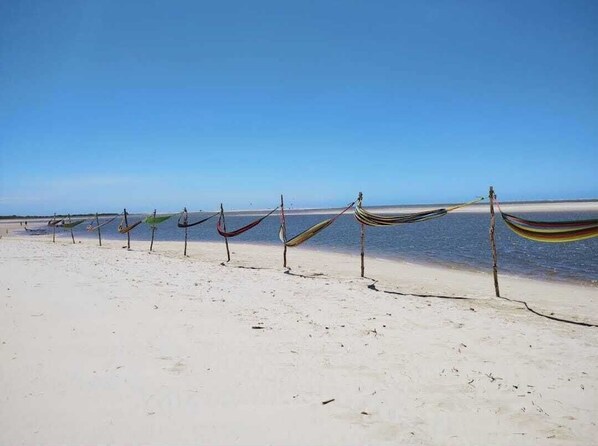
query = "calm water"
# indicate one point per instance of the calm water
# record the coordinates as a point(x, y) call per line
point(459, 239)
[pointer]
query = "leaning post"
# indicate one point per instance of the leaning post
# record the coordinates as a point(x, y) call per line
point(99, 230)
point(153, 231)
point(185, 222)
point(224, 226)
point(359, 199)
point(54, 229)
point(72, 235)
point(284, 233)
point(492, 197)
point(128, 235)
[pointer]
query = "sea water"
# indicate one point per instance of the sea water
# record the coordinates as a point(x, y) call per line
point(459, 240)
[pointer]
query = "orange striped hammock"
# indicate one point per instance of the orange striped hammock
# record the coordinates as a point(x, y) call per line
point(552, 231)
point(124, 229)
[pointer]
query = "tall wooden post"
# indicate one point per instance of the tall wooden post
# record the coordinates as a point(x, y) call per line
point(224, 226)
point(54, 229)
point(99, 230)
point(359, 200)
point(153, 231)
point(492, 197)
point(72, 235)
point(126, 225)
point(185, 222)
point(284, 232)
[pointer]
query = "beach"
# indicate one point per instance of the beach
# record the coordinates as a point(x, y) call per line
point(105, 345)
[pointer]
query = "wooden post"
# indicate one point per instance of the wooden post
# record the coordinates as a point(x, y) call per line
point(72, 235)
point(284, 233)
point(359, 199)
point(224, 226)
point(99, 230)
point(54, 229)
point(153, 232)
point(126, 225)
point(492, 196)
point(185, 222)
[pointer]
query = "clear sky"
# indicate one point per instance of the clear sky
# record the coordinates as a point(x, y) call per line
point(164, 104)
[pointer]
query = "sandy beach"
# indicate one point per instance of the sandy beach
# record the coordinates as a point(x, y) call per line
point(105, 345)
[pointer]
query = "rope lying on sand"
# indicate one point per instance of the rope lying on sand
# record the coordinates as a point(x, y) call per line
point(554, 318)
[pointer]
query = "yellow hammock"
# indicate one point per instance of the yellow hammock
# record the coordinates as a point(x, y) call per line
point(310, 232)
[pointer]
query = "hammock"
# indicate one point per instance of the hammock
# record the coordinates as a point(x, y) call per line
point(188, 225)
point(70, 224)
point(153, 221)
point(551, 231)
point(245, 228)
point(54, 222)
point(124, 229)
point(37, 231)
point(370, 219)
point(95, 228)
point(310, 232)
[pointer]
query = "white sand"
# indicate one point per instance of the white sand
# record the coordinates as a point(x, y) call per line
point(104, 345)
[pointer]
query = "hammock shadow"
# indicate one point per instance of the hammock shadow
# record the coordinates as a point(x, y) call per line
point(305, 276)
point(241, 266)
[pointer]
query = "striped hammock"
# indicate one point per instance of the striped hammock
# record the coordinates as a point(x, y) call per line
point(223, 233)
point(551, 231)
point(154, 221)
point(91, 227)
point(310, 232)
point(185, 224)
point(370, 219)
point(70, 224)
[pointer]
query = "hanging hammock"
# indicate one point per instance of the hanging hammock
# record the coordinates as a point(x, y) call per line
point(551, 231)
point(245, 228)
point(36, 231)
point(154, 221)
point(70, 224)
point(370, 219)
point(188, 225)
point(310, 232)
point(54, 222)
point(95, 228)
point(124, 229)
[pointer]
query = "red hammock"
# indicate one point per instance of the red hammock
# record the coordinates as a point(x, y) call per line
point(245, 228)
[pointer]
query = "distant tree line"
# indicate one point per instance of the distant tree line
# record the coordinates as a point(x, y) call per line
point(32, 217)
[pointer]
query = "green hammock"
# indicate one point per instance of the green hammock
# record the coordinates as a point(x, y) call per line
point(153, 221)
point(70, 224)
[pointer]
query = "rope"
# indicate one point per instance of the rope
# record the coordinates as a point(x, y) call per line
point(554, 318)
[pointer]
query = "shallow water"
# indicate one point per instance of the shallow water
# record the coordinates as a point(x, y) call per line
point(459, 240)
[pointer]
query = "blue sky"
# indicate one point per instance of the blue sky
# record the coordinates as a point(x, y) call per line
point(148, 104)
